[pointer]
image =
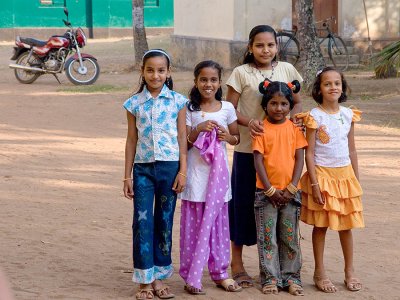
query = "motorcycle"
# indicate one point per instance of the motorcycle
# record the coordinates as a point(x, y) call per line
point(60, 52)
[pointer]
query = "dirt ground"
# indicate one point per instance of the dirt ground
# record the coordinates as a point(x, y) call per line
point(65, 228)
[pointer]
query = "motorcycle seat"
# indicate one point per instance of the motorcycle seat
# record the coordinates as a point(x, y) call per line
point(32, 42)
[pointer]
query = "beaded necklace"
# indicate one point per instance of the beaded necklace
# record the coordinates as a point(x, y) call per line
point(272, 72)
point(330, 114)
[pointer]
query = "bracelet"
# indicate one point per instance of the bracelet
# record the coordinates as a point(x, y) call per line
point(237, 140)
point(126, 179)
point(292, 188)
point(248, 124)
point(197, 129)
point(314, 184)
point(180, 173)
point(189, 141)
point(270, 191)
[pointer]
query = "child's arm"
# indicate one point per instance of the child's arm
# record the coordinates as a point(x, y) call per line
point(180, 179)
point(193, 133)
point(260, 169)
point(353, 151)
point(130, 151)
point(298, 168)
point(255, 126)
point(231, 135)
point(310, 135)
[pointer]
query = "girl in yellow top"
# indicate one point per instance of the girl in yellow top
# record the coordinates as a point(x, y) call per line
point(331, 190)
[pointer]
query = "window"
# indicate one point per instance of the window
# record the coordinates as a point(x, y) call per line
point(52, 3)
point(151, 3)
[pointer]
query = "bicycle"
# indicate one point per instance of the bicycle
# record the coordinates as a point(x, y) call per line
point(289, 46)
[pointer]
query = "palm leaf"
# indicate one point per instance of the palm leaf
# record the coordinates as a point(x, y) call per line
point(387, 60)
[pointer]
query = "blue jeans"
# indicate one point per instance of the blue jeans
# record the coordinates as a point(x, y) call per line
point(154, 206)
point(278, 240)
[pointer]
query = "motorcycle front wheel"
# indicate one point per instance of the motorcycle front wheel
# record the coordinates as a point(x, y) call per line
point(26, 76)
point(82, 75)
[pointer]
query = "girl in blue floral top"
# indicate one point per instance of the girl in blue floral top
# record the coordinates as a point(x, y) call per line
point(155, 171)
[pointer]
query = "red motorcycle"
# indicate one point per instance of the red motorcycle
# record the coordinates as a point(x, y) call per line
point(34, 57)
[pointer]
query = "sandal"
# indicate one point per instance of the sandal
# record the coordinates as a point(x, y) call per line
point(324, 284)
point(353, 284)
point(162, 290)
point(270, 289)
point(229, 285)
point(295, 290)
point(144, 294)
point(193, 291)
point(243, 279)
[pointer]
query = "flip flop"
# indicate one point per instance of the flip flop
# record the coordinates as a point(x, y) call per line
point(193, 291)
point(229, 285)
point(144, 294)
point(243, 279)
point(324, 284)
point(295, 290)
point(164, 293)
point(270, 289)
point(353, 284)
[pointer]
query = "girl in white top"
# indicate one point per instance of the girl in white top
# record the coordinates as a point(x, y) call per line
point(259, 64)
point(331, 190)
point(204, 236)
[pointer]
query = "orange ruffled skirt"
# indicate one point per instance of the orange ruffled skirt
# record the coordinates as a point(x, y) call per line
point(342, 191)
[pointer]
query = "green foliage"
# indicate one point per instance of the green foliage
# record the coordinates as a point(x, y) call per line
point(93, 89)
point(387, 61)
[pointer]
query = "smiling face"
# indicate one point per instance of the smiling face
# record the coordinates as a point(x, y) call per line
point(277, 108)
point(331, 86)
point(208, 83)
point(264, 49)
point(155, 72)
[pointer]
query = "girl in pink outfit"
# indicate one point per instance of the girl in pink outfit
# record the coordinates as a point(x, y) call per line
point(204, 238)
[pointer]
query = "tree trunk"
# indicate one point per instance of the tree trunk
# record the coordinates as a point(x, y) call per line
point(311, 58)
point(139, 31)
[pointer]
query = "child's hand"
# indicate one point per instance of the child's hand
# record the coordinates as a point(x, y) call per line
point(223, 134)
point(276, 198)
point(128, 189)
point(317, 195)
point(179, 183)
point(298, 122)
point(206, 126)
point(256, 127)
point(286, 197)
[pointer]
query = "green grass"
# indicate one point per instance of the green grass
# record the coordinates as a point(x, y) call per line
point(92, 89)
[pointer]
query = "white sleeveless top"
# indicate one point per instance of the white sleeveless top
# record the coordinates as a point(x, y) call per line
point(331, 143)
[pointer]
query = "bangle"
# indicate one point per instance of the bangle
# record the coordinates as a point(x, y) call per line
point(248, 124)
point(292, 188)
point(189, 141)
point(126, 179)
point(237, 140)
point(180, 173)
point(270, 191)
point(314, 184)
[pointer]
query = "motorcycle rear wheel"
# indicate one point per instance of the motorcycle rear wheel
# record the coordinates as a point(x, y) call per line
point(25, 76)
point(85, 76)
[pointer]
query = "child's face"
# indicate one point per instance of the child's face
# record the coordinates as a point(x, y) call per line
point(208, 83)
point(264, 48)
point(155, 71)
point(331, 86)
point(277, 109)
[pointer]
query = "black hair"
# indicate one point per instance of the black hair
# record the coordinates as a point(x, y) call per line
point(276, 87)
point(194, 95)
point(249, 57)
point(316, 89)
point(154, 53)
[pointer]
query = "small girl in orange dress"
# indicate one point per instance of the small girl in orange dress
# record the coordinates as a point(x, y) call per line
point(331, 192)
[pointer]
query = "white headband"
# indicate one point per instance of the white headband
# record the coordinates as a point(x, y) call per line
point(158, 51)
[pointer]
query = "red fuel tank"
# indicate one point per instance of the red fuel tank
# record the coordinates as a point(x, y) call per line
point(53, 42)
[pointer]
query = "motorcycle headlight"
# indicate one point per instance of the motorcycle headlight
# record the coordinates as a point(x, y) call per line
point(80, 37)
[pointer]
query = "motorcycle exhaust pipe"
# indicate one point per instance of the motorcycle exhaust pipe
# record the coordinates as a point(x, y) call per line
point(26, 68)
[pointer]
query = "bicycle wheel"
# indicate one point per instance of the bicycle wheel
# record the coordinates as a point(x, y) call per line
point(338, 53)
point(288, 47)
